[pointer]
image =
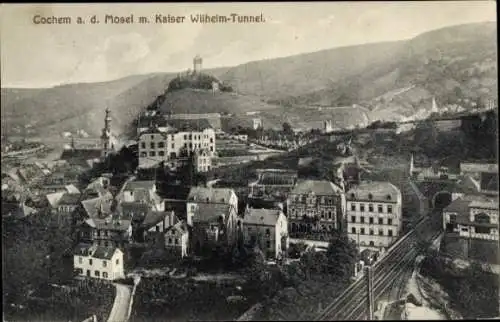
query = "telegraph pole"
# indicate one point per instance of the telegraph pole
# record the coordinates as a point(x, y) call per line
point(369, 283)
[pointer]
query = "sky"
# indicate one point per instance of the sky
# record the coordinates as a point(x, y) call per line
point(43, 55)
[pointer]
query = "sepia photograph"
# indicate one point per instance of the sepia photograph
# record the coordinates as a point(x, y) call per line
point(237, 161)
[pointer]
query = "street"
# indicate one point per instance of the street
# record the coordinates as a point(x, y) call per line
point(119, 312)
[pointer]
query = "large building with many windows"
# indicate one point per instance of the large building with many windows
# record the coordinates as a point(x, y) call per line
point(169, 140)
point(374, 216)
point(315, 206)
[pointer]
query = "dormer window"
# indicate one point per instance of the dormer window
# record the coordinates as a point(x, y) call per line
point(388, 197)
point(353, 196)
point(370, 196)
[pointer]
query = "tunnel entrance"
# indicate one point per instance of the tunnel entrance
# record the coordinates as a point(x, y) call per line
point(441, 200)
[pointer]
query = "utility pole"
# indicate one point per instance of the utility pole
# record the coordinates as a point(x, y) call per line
point(369, 283)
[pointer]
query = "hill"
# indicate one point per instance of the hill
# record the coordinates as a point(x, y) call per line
point(391, 80)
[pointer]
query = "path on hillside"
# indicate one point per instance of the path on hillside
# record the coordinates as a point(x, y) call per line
point(119, 312)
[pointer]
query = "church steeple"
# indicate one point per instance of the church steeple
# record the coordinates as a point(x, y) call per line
point(107, 146)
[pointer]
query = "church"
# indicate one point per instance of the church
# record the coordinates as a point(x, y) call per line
point(90, 156)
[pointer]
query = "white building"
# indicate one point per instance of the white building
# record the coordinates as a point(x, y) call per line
point(374, 216)
point(169, 140)
point(98, 262)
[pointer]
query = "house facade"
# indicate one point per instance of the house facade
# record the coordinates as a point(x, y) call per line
point(268, 229)
point(177, 239)
point(315, 206)
point(202, 160)
point(374, 216)
point(273, 184)
point(174, 139)
point(98, 262)
point(107, 232)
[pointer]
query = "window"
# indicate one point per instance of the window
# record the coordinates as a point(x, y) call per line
point(268, 232)
point(90, 262)
point(152, 145)
point(389, 232)
point(388, 197)
point(371, 232)
point(370, 208)
point(362, 207)
point(143, 154)
point(96, 273)
point(170, 240)
point(362, 231)
point(380, 208)
point(211, 140)
point(389, 221)
point(353, 230)
point(104, 274)
point(453, 219)
point(372, 243)
point(152, 153)
point(177, 241)
point(80, 260)
point(353, 218)
point(268, 244)
point(389, 209)
point(353, 207)
point(190, 136)
point(185, 137)
point(117, 261)
point(370, 220)
point(161, 145)
point(211, 149)
point(381, 232)
point(352, 196)
point(370, 196)
point(173, 146)
point(104, 263)
point(381, 221)
point(329, 215)
point(157, 228)
point(143, 145)
point(161, 153)
point(362, 219)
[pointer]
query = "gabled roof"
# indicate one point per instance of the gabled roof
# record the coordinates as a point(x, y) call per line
point(53, 198)
point(70, 199)
point(210, 212)
point(109, 224)
point(277, 179)
point(266, 217)
point(180, 227)
point(490, 204)
point(185, 125)
point(457, 206)
point(318, 187)
point(72, 189)
point(80, 154)
point(489, 181)
point(202, 194)
point(134, 209)
point(154, 217)
point(93, 207)
point(100, 252)
point(379, 191)
point(478, 167)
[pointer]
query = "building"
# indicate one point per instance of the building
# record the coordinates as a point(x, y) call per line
point(155, 224)
point(197, 64)
point(68, 203)
point(434, 172)
point(177, 239)
point(202, 160)
point(203, 195)
point(214, 119)
point(268, 229)
point(98, 262)
point(107, 139)
point(273, 184)
point(177, 139)
point(327, 126)
point(213, 224)
point(257, 123)
point(107, 232)
point(374, 216)
point(315, 206)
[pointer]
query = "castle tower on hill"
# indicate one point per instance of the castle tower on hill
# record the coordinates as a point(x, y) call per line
point(106, 137)
point(197, 64)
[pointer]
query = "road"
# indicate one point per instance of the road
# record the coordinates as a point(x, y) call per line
point(394, 267)
point(119, 312)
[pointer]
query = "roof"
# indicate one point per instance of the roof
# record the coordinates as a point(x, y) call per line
point(72, 189)
point(380, 191)
point(95, 251)
point(154, 217)
point(70, 199)
point(457, 205)
point(139, 184)
point(93, 206)
point(489, 181)
point(181, 227)
point(266, 217)
point(478, 167)
point(186, 125)
point(208, 212)
point(319, 187)
point(134, 209)
point(490, 204)
point(277, 179)
point(467, 185)
point(53, 198)
point(202, 194)
point(109, 224)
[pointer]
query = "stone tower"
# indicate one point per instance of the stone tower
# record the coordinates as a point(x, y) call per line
point(107, 145)
point(327, 126)
point(197, 64)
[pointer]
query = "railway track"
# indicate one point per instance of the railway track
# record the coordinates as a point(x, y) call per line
point(352, 303)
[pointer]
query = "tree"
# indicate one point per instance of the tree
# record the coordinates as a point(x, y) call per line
point(287, 128)
point(342, 255)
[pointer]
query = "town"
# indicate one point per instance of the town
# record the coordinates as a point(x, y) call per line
point(209, 202)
